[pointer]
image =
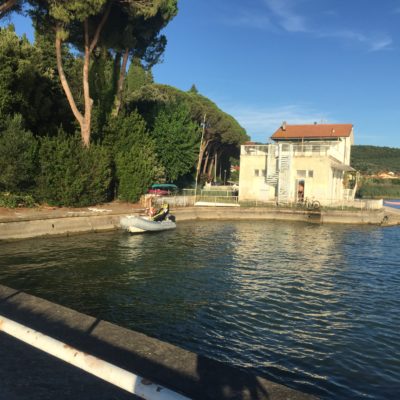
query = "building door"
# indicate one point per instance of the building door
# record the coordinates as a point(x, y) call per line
point(299, 190)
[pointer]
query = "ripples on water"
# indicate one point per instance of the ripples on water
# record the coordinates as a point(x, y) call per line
point(313, 307)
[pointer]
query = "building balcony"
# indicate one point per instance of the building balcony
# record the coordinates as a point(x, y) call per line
point(254, 150)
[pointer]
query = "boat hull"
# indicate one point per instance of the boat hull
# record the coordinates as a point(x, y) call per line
point(135, 224)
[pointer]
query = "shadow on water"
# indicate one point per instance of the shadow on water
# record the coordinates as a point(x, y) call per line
point(28, 373)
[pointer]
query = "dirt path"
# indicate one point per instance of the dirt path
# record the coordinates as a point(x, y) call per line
point(44, 212)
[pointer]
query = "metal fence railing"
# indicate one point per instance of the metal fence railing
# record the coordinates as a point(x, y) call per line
point(326, 204)
point(189, 198)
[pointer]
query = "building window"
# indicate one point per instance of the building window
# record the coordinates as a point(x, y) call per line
point(301, 173)
point(256, 172)
point(311, 174)
point(263, 173)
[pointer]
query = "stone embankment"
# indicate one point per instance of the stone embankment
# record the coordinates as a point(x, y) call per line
point(27, 373)
point(28, 223)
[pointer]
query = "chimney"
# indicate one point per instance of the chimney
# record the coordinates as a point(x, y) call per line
point(284, 125)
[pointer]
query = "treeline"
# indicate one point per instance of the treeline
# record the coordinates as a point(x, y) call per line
point(105, 130)
point(370, 160)
point(378, 188)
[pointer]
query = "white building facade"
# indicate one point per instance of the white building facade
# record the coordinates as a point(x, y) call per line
point(306, 161)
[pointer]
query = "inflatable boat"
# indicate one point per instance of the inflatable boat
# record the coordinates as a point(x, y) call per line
point(135, 224)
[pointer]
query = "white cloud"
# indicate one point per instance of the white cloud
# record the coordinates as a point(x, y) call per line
point(288, 18)
point(282, 15)
point(292, 21)
point(373, 42)
point(246, 18)
point(261, 122)
point(381, 43)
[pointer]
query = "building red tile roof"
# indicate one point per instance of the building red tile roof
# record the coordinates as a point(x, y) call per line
point(314, 131)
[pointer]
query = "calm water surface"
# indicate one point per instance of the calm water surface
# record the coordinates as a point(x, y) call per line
point(313, 307)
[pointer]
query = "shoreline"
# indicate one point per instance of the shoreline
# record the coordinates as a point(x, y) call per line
point(31, 223)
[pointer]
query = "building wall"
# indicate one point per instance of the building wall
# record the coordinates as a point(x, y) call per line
point(316, 186)
point(252, 187)
point(344, 149)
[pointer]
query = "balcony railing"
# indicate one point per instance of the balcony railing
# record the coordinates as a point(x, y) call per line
point(296, 150)
point(254, 150)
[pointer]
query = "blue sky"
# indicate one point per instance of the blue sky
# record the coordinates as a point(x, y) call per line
point(266, 61)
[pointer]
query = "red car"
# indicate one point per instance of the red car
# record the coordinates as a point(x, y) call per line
point(165, 189)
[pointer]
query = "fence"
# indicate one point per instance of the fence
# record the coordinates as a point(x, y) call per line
point(218, 197)
point(188, 197)
point(326, 204)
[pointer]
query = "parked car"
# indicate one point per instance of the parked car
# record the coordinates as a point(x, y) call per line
point(163, 189)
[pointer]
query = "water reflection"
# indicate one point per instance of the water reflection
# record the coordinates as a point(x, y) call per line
point(313, 306)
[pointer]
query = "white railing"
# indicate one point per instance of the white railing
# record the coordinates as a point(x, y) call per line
point(100, 368)
point(300, 150)
point(326, 204)
point(254, 150)
point(189, 198)
point(317, 150)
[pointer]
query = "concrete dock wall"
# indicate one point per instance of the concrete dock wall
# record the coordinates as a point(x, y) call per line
point(22, 229)
point(374, 217)
point(65, 225)
point(177, 369)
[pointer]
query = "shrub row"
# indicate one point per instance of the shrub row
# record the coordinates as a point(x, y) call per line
point(58, 170)
point(379, 191)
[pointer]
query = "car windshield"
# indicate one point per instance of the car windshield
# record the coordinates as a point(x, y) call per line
point(169, 187)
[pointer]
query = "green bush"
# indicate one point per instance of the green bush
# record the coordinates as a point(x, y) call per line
point(134, 155)
point(17, 157)
point(11, 200)
point(378, 191)
point(71, 175)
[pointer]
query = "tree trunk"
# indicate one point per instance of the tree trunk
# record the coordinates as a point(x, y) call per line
point(83, 119)
point(203, 147)
point(120, 86)
point(6, 6)
point(206, 163)
point(64, 82)
point(210, 168)
point(85, 127)
point(116, 70)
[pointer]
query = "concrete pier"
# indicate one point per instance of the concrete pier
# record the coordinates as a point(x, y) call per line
point(31, 223)
point(27, 373)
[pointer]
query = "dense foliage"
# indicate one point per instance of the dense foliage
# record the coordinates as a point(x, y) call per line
point(70, 174)
point(222, 134)
point(55, 96)
point(176, 137)
point(134, 156)
point(379, 188)
point(373, 159)
point(17, 157)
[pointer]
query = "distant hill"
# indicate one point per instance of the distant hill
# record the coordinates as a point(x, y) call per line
point(373, 159)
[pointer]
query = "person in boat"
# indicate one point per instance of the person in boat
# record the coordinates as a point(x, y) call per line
point(150, 212)
point(161, 214)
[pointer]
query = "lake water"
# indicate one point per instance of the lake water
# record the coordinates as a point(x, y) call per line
point(314, 307)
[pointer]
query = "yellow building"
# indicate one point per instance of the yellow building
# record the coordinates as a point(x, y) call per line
point(305, 161)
